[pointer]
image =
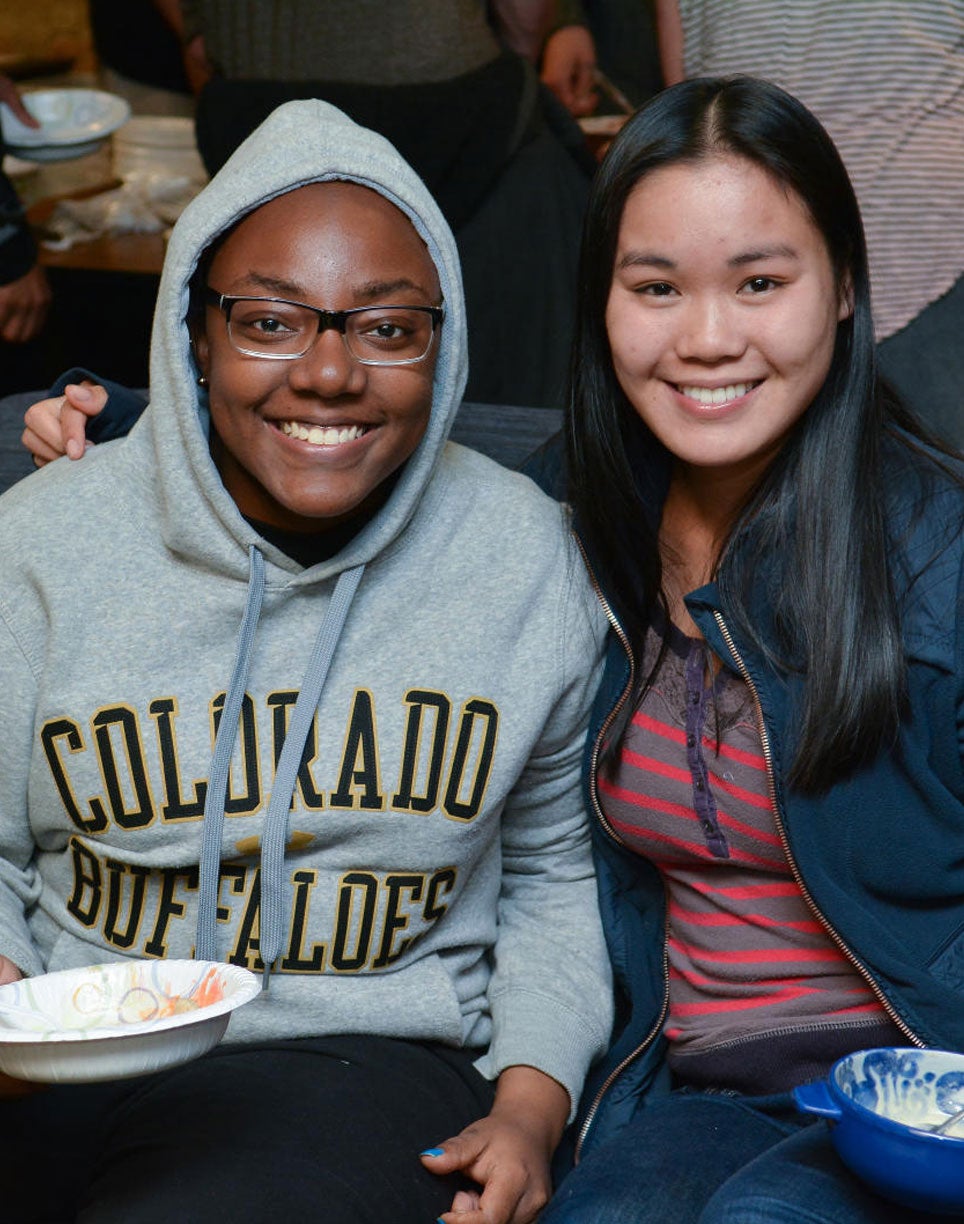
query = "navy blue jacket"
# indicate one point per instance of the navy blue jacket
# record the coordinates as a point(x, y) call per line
point(880, 855)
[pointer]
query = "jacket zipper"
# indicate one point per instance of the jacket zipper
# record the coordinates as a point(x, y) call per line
point(611, 716)
point(835, 936)
point(611, 832)
point(631, 1057)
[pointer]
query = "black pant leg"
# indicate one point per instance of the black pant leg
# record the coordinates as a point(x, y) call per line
point(326, 1129)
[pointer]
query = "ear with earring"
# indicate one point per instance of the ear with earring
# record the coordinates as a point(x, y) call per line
point(201, 378)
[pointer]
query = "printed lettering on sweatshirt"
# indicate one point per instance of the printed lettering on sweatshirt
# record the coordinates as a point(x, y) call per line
point(442, 768)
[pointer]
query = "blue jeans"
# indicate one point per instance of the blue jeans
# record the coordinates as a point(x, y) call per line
point(710, 1158)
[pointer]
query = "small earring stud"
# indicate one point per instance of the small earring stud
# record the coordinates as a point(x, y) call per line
point(202, 381)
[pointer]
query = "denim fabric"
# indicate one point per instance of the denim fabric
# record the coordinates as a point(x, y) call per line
point(712, 1158)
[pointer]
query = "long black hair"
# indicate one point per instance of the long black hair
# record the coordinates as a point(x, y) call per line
point(817, 514)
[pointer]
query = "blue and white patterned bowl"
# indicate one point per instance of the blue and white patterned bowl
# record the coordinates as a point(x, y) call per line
point(882, 1106)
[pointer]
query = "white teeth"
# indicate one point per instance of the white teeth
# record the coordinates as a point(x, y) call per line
point(716, 395)
point(318, 435)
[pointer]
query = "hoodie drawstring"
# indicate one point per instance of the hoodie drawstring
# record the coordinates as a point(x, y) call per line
point(274, 886)
point(274, 892)
point(205, 943)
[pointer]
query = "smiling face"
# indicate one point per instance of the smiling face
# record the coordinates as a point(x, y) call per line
point(722, 313)
point(307, 443)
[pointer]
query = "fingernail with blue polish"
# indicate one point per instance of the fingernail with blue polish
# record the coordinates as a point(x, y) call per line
point(433, 1152)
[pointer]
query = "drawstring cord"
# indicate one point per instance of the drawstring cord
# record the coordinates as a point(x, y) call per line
point(274, 891)
point(205, 943)
point(274, 886)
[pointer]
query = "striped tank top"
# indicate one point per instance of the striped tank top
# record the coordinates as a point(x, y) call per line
point(753, 973)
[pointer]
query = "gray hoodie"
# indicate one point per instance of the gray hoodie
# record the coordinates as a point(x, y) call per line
point(405, 841)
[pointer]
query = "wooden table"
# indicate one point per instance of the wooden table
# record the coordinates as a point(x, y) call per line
point(142, 253)
point(78, 179)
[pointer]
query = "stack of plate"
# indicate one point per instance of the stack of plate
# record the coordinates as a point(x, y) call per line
point(158, 145)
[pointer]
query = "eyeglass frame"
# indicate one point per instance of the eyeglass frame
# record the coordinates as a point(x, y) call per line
point(328, 320)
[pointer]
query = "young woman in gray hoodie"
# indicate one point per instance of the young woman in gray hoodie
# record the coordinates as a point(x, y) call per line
point(310, 698)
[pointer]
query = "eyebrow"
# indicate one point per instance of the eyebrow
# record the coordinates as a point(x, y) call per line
point(650, 259)
point(760, 254)
point(644, 259)
point(370, 291)
point(377, 289)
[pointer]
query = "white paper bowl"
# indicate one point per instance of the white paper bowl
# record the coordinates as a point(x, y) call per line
point(118, 1020)
point(73, 123)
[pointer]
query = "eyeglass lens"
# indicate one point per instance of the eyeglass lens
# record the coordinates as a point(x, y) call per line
point(381, 334)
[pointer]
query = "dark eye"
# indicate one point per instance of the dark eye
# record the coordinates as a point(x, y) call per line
point(386, 330)
point(760, 284)
point(656, 289)
point(269, 325)
point(390, 329)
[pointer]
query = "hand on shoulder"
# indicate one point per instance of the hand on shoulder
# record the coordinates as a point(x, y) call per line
point(10, 1087)
point(57, 426)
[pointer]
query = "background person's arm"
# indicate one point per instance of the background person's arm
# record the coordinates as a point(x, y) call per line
point(180, 15)
point(522, 25)
point(669, 32)
point(569, 68)
point(24, 291)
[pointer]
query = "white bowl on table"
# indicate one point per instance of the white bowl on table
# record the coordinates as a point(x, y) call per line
point(73, 123)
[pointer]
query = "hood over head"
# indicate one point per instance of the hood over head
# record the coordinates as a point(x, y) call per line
point(300, 143)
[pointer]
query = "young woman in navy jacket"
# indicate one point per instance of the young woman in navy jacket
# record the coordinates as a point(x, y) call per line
point(775, 759)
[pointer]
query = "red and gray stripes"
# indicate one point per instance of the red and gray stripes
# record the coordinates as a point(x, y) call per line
point(746, 954)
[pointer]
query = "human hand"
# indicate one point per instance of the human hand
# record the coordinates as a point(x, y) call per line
point(8, 971)
point(57, 426)
point(10, 1087)
point(568, 68)
point(23, 306)
point(11, 97)
point(506, 1153)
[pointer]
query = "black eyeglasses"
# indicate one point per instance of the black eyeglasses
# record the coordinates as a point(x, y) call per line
point(279, 330)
